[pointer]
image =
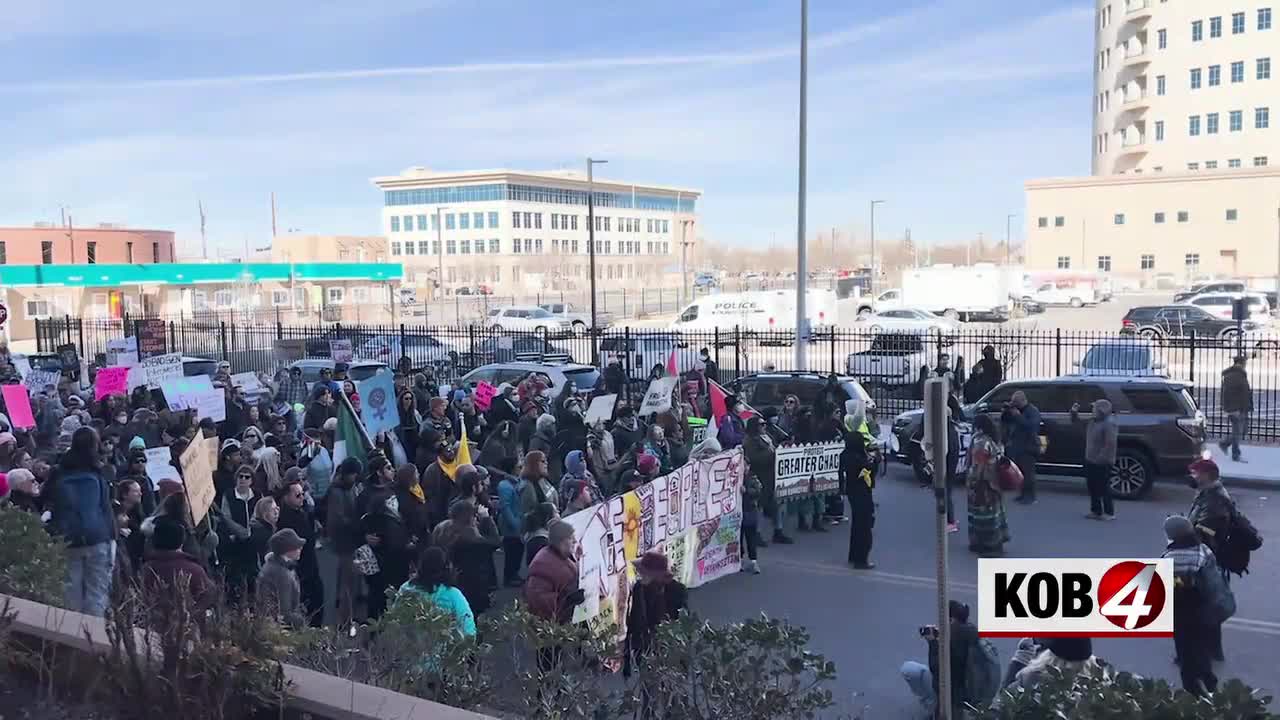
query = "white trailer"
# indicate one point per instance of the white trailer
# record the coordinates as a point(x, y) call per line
point(979, 292)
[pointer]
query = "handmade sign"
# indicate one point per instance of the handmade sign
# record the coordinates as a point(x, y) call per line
point(658, 397)
point(160, 466)
point(196, 393)
point(18, 401)
point(22, 365)
point(122, 352)
point(601, 408)
point(803, 470)
point(161, 368)
point(247, 380)
point(197, 476)
point(37, 380)
point(111, 381)
point(341, 351)
point(484, 394)
point(70, 358)
point(378, 408)
point(289, 351)
point(693, 515)
point(152, 338)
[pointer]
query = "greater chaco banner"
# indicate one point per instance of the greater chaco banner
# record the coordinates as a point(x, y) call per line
point(693, 515)
point(807, 470)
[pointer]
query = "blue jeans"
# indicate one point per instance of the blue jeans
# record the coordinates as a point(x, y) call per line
point(920, 680)
point(89, 578)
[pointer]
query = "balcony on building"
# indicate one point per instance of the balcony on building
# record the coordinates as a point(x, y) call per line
point(1133, 98)
point(1133, 139)
point(1137, 10)
point(1135, 51)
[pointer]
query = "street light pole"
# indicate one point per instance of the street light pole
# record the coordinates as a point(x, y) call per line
point(591, 232)
point(802, 258)
point(875, 276)
point(439, 253)
point(1008, 220)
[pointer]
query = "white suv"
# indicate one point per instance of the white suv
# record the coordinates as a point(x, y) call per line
point(529, 317)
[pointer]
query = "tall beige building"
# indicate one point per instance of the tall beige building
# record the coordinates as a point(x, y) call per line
point(1185, 147)
point(517, 232)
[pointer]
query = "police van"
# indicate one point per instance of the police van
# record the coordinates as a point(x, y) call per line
point(760, 311)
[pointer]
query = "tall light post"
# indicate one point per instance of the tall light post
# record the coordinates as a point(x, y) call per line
point(875, 275)
point(1008, 235)
point(802, 259)
point(591, 232)
point(440, 251)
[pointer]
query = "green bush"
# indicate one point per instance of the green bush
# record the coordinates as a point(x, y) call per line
point(33, 565)
point(1097, 693)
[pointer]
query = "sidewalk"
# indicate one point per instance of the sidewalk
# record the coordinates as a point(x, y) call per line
point(1261, 466)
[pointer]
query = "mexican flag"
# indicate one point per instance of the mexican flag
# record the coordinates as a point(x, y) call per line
point(351, 439)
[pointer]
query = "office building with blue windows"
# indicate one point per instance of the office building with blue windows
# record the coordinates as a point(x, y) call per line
point(514, 231)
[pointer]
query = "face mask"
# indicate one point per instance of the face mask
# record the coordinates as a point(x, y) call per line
point(1194, 485)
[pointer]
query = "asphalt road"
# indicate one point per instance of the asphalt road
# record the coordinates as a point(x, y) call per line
point(866, 621)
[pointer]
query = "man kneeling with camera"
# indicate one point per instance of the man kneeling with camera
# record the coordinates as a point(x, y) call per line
point(923, 680)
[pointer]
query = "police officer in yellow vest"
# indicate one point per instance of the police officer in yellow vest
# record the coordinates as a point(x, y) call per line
point(858, 461)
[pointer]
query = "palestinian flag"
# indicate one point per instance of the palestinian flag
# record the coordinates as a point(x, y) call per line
point(351, 439)
point(719, 404)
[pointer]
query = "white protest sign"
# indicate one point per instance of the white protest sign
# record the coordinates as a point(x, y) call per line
point(160, 467)
point(601, 408)
point(341, 351)
point(658, 397)
point(122, 352)
point(160, 368)
point(137, 377)
point(37, 380)
point(22, 365)
point(803, 470)
point(247, 380)
point(195, 393)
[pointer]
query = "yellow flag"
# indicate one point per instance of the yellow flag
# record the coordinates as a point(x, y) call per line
point(464, 448)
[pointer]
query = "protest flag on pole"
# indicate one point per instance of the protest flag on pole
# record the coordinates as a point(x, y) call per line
point(351, 439)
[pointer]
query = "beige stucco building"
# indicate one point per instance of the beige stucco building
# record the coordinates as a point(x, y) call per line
point(300, 248)
point(1185, 148)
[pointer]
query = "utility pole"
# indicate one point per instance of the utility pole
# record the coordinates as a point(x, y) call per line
point(591, 232)
point(802, 251)
point(204, 238)
point(1008, 235)
point(69, 225)
point(439, 288)
point(935, 427)
point(875, 276)
point(833, 249)
point(273, 214)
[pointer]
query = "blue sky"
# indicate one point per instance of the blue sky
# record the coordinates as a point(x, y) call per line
point(132, 111)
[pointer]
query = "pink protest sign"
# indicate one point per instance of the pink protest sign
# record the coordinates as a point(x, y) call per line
point(484, 395)
point(111, 381)
point(19, 404)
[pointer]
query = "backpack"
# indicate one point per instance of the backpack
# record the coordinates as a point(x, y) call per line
point(78, 501)
point(982, 673)
point(1238, 541)
point(1218, 602)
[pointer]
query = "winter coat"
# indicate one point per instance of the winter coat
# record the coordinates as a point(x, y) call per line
point(260, 534)
point(1236, 395)
point(1211, 510)
point(501, 410)
point(510, 518)
point(163, 576)
point(392, 552)
point(551, 580)
point(760, 455)
point(278, 592)
point(626, 435)
point(79, 501)
point(1022, 432)
point(732, 433)
point(440, 491)
point(498, 449)
point(532, 493)
point(449, 599)
point(650, 606)
point(1101, 435)
point(302, 521)
point(342, 521)
point(235, 544)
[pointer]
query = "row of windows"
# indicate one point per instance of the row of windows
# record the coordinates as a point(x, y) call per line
point(1233, 163)
point(1237, 24)
point(459, 221)
point(1232, 215)
point(91, 253)
point(1262, 71)
point(1212, 122)
point(493, 273)
point(526, 246)
point(1145, 262)
point(534, 193)
point(519, 219)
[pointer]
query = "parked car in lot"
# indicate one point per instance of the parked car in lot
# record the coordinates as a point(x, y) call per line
point(579, 318)
point(910, 320)
point(584, 377)
point(894, 359)
point(1161, 430)
point(508, 348)
point(527, 317)
point(357, 370)
point(1222, 304)
point(1227, 286)
point(766, 391)
point(318, 346)
point(1181, 322)
point(1134, 357)
point(422, 351)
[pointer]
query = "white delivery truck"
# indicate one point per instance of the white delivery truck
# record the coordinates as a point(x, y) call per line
point(759, 311)
point(978, 292)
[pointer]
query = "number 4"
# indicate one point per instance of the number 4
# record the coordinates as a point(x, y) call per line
point(1136, 591)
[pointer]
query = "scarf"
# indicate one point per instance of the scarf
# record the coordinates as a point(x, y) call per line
point(451, 467)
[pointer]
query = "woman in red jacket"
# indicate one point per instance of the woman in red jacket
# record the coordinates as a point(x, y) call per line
point(551, 589)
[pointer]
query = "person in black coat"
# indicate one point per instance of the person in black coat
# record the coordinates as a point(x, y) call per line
point(385, 534)
point(615, 378)
point(296, 515)
point(236, 550)
point(657, 597)
point(858, 466)
point(320, 408)
point(503, 407)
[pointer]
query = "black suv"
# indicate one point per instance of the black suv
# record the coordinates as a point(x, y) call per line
point(766, 391)
point(1180, 322)
point(1161, 431)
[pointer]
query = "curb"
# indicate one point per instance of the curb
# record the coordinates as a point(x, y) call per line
point(1252, 483)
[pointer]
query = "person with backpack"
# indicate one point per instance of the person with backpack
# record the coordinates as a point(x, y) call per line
point(78, 498)
point(1201, 603)
point(975, 665)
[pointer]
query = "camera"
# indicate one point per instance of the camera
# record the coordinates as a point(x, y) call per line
point(929, 631)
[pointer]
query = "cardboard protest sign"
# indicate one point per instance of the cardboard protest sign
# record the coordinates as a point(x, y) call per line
point(289, 351)
point(803, 470)
point(153, 338)
point(18, 401)
point(658, 397)
point(196, 393)
point(378, 408)
point(160, 466)
point(601, 408)
point(162, 368)
point(122, 352)
point(111, 381)
point(197, 476)
point(341, 351)
point(484, 394)
point(693, 515)
point(247, 380)
point(37, 380)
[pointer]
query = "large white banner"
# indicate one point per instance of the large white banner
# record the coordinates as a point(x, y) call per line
point(693, 515)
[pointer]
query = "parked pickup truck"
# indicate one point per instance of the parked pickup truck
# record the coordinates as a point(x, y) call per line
point(893, 359)
point(580, 318)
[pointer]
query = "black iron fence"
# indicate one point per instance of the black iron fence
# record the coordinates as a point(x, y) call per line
point(889, 370)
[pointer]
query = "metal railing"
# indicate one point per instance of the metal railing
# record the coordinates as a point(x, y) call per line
point(452, 351)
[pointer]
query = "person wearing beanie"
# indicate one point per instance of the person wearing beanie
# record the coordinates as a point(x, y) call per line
point(168, 572)
point(923, 680)
point(578, 488)
point(1100, 437)
point(1211, 512)
point(278, 591)
point(551, 590)
point(1197, 584)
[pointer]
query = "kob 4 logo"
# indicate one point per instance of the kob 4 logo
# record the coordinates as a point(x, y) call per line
point(1055, 597)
